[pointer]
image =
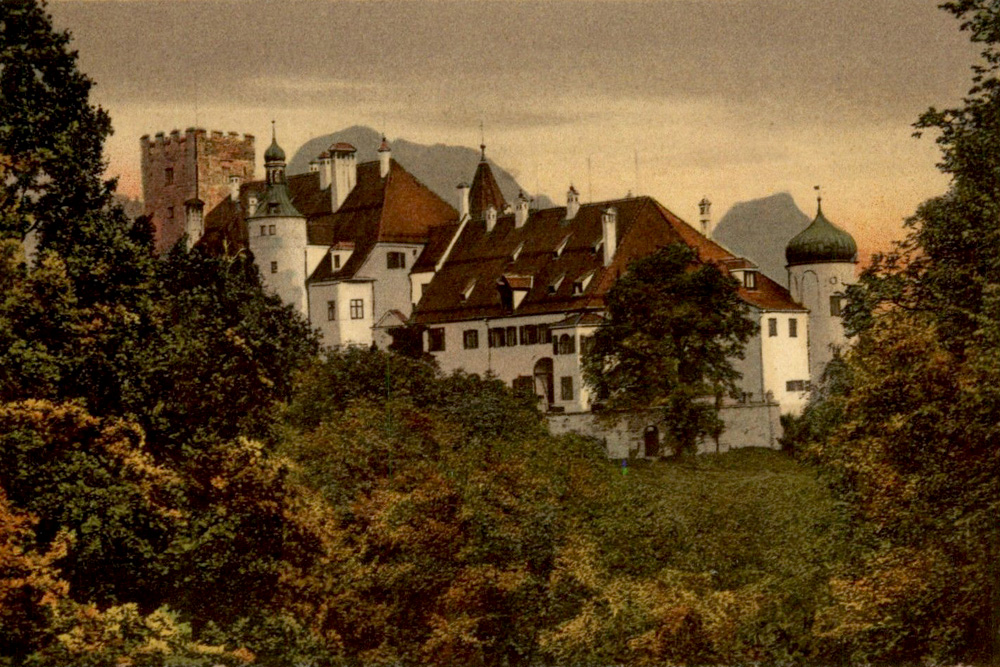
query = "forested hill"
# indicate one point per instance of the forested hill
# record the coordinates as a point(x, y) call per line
point(440, 167)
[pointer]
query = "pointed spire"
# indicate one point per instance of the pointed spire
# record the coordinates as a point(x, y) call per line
point(819, 201)
point(274, 152)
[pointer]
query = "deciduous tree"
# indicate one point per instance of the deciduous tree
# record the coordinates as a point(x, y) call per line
point(674, 326)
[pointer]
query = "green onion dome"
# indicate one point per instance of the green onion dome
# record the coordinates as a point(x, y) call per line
point(821, 241)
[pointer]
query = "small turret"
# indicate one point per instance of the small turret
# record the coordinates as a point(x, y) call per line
point(821, 260)
point(277, 234)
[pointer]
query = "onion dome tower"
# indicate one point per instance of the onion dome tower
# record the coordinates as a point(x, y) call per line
point(277, 234)
point(821, 262)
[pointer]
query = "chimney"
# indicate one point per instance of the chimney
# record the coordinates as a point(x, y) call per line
point(521, 210)
point(325, 169)
point(384, 158)
point(491, 219)
point(234, 188)
point(705, 217)
point(345, 174)
point(609, 228)
point(194, 224)
point(572, 203)
point(463, 200)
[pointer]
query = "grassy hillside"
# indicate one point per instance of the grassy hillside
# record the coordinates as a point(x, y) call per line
point(742, 516)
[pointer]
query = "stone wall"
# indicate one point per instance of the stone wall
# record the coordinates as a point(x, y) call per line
point(207, 177)
point(754, 424)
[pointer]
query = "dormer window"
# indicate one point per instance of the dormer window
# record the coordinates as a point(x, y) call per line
point(467, 292)
point(562, 246)
point(750, 279)
point(395, 260)
point(517, 252)
point(554, 285)
point(580, 284)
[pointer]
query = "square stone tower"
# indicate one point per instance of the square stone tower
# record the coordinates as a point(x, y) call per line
point(183, 172)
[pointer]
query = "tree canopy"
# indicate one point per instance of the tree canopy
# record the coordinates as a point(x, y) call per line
point(908, 433)
point(674, 325)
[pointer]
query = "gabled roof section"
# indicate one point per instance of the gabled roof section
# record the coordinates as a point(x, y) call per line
point(437, 243)
point(225, 229)
point(643, 226)
point(485, 191)
point(395, 209)
point(391, 319)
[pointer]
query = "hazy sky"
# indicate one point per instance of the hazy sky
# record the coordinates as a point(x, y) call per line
point(733, 99)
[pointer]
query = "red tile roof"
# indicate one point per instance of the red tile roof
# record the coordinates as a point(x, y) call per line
point(643, 226)
point(395, 209)
point(437, 244)
point(485, 192)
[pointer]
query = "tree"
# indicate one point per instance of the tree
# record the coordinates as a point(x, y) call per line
point(51, 137)
point(910, 441)
point(674, 326)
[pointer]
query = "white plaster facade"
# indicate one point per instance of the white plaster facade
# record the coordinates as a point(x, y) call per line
point(278, 245)
point(821, 288)
point(342, 311)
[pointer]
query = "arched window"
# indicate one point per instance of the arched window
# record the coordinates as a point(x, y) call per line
point(567, 344)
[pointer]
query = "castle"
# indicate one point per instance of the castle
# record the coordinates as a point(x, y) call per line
point(362, 249)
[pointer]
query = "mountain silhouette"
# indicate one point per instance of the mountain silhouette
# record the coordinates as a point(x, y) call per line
point(760, 229)
point(439, 167)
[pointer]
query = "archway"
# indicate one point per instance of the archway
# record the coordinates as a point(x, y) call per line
point(651, 441)
point(544, 381)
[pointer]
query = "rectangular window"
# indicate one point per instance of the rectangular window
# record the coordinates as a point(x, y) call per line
point(470, 339)
point(170, 212)
point(544, 335)
point(435, 340)
point(395, 260)
point(331, 310)
point(567, 388)
point(793, 328)
point(795, 385)
point(772, 326)
point(168, 175)
point(835, 306)
point(529, 334)
point(274, 267)
point(511, 336)
point(750, 279)
point(336, 261)
point(586, 344)
point(270, 230)
point(498, 337)
point(357, 309)
point(263, 230)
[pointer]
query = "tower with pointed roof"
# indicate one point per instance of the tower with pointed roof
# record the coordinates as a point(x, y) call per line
point(485, 192)
point(821, 264)
point(277, 234)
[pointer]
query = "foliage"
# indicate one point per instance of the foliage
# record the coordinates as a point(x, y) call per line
point(221, 356)
point(674, 325)
point(914, 454)
point(910, 440)
point(723, 559)
point(51, 138)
